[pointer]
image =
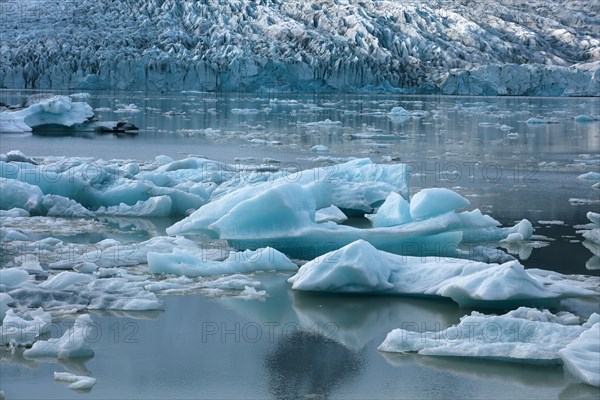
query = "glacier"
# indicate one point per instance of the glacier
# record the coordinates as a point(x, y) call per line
point(461, 47)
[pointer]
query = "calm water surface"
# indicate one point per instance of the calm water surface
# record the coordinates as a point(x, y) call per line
point(298, 345)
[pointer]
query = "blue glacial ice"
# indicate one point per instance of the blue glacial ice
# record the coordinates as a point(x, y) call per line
point(361, 268)
point(58, 110)
point(281, 212)
point(193, 265)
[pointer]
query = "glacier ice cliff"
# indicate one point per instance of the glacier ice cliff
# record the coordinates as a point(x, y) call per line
point(435, 46)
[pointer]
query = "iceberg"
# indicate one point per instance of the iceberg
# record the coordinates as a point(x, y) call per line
point(282, 215)
point(361, 268)
point(72, 344)
point(581, 357)
point(23, 330)
point(58, 110)
point(190, 265)
point(512, 337)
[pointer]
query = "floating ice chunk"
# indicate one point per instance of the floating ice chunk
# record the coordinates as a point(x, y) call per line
point(17, 194)
point(154, 207)
point(59, 206)
point(585, 118)
point(29, 263)
point(360, 267)
point(11, 234)
point(592, 176)
point(435, 201)
point(331, 213)
point(13, 277)
point(18, 156)
point(537, 121)
point(163, 160)
point(513, 238)
point(250, 293)
point(66, 280)
point(194, 265)
point(319, 148)
point(594, 217)
point(14, 213)
point(72, 344)
point(77, 382)
point(504, 338)
point(394, 211)
point(551, 222)
point(399, 114)
point(581, 357)
point(58, 110)
point(23, 331)
point(358, 185)
point(86, 267)
point(5, 301)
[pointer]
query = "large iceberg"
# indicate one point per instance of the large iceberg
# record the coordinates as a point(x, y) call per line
point(361, 268)
point(58, 110)
point(483, 48)
point(282, 213)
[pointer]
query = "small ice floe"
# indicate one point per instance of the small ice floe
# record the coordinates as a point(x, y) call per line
point(540, 121)
point(581, 357)
point(21, 330)
point(551, 222)
point(319, 148)
point(331, 213)
point(524, 335)
point(76, 382)
point(585, 118)
point(591, 234)
point(590, 176)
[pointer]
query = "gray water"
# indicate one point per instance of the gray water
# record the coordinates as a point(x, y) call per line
point(298, 345)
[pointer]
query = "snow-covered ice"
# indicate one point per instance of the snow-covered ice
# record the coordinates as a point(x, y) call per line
point(361, 268)
point(581, 357)
point(72, 344)
point(522, 335)
point(58, 110)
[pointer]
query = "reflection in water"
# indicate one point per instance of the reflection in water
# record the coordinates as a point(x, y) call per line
point(305, 365)
point(511, 373)
point(358, 319)
point(15, 356)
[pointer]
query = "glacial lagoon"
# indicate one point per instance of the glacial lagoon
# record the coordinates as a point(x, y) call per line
point(513, 158)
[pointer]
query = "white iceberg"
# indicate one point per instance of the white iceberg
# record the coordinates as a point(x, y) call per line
point(58, 110)
point(512, 337)
point(72, 344)
point(581, 357)
point(23, 330)
point(361, 268)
